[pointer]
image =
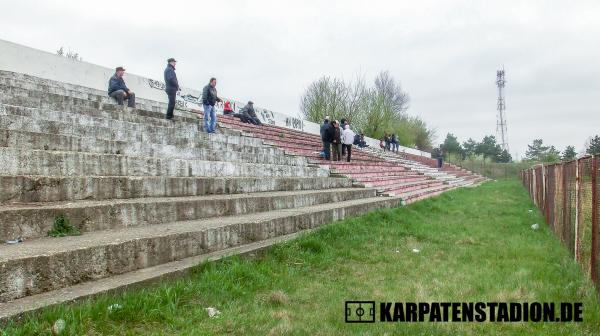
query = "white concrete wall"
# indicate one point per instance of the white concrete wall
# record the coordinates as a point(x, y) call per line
point(22, 59)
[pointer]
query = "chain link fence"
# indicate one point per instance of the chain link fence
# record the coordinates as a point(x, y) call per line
point(568, 195)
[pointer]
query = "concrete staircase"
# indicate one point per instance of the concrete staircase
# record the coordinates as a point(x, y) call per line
point(449, 174)
point(408, 179)
point(151, 198)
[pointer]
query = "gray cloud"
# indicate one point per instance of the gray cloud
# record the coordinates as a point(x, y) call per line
point(445, 53)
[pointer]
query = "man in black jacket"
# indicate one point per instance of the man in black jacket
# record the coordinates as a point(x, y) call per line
point(118, 90)
point(249, 114)
point(326, 145)
point(209, 99)
point(171, 86)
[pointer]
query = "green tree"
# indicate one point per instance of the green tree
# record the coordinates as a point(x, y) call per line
point(593, 147)
point(535, 150)
point(553, 155)
point(451, 145)
point(504, 157)
point(569, 154)
point(469, 148)
point(538, 152)
point(488, 148)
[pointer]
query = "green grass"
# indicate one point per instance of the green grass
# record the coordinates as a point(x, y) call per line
point(62, 227)
point(476, 244)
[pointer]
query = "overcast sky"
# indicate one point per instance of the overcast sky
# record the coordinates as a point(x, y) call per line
point(445, 53)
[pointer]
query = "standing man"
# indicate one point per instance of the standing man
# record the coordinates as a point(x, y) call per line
point(347, 140)
point(335, 134)
point(118, 90)
point(209, 99)
point(171, 86)
point(326, 144)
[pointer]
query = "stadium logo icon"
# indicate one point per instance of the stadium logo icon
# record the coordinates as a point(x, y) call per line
point(360, 311)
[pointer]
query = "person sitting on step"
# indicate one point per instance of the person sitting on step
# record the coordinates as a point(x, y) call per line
point(248, 115)
point(118, 90)
point(227, 110)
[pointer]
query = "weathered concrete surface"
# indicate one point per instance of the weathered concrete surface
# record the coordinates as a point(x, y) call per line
point(28, 305)
point(56, 163)
point(47, 264)
point(27, 189)
point(34, 221)
point(144, 192)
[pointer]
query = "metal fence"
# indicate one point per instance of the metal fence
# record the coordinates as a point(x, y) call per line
point(568, 195)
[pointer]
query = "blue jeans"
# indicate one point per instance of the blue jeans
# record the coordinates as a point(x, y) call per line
point(209, 111)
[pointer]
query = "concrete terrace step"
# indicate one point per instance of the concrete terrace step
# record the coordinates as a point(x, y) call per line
point(369, 173)
point(14, 310)
point(42, 120)
point(55, 163)
point(10, 77)
point(405, 189)
point(32, 98)
point(265, 132)
point(214, 152)
point(398, 185)
point(206, 150)
point(35, 220)
point(377, 181)
point(27, 189)
point(36, 87)
point(413, 196)
point(53, 263)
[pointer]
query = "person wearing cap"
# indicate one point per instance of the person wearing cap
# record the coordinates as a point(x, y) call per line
point(118, 90)
point(209, 99)
point(326, 144)
point(347, 140)
point(171, 86)
point(250, 114)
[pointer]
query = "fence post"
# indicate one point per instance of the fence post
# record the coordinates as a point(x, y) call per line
point(594, 252)
point(577, 210)
point(544, 207)
point(534, 186)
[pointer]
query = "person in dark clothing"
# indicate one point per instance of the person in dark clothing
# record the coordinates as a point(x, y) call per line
point(326, 144)
point(394, 143)
point(171, 86)
point(227, 110)
point(335, 134)
point(248, 115)
point(386, 139)
point(253, 115)
point(118, 90)
point(361, 141)
point(209, 99)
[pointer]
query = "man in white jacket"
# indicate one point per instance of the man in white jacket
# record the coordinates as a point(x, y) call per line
point(347, 140)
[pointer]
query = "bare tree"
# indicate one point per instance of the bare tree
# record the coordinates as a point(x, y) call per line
point(387, 86)
point(374, 111)
point(325, 96)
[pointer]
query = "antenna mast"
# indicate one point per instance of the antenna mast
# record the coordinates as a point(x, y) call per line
point(501, 115)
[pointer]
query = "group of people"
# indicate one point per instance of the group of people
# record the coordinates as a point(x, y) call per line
point(389, 142)
point(120, 92)
point(337, 139)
